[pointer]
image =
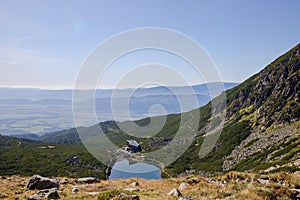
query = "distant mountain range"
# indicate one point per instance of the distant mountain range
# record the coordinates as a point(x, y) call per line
point(38, 111)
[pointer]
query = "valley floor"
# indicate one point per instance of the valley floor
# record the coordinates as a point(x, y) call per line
point(233, 185)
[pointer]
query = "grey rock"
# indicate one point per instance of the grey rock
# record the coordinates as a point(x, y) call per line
point(263, 181)
point(135, 197)
point(248, 180)
point(175, 193)
point(75, 190)
point(40, 183)
point(43, 194)
point(131, 189)
point(297, 163)
point(295, 195)
point(87, 180)
point(93, 193)
point(34, 197)
point(134, 184)
point(182, 186)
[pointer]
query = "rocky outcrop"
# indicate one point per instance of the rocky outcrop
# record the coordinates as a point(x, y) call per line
point(40, 183)
point(272, 94)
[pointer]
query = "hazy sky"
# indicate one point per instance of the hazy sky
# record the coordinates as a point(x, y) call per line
point(43, 43)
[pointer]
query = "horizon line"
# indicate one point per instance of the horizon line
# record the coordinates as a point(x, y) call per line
point(125, 88)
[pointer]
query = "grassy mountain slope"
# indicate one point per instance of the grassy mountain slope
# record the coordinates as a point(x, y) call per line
point(27, 157)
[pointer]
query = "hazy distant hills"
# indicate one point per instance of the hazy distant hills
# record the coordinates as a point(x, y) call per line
point(24, 111)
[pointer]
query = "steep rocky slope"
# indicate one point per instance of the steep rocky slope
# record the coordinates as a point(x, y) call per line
point(261, 127)
point(270, 101)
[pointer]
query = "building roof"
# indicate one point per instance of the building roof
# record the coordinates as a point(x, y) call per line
point(133, 143)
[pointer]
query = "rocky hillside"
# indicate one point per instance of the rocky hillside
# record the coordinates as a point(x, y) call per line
point(270, 101)
point(261, 130)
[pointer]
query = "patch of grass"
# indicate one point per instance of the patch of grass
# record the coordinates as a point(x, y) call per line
point(251, 142)
point(288, 169)
point(107, 195)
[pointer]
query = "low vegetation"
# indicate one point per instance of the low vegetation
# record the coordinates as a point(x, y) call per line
point(233, 185)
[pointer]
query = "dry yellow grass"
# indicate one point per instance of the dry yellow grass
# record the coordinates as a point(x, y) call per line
point(234, 187)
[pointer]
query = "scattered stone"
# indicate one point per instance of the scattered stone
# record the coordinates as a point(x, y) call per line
point(131, 189)
point(182, 186)
point(75, 190)
point(262, 141)
point(295, 195)
point(43, 194)
point(297, 163)
point(2, 195)
point(212, 180)
point(263, 181)
point(175, 193)
point(93, 193)
point(186, 198)
point(64, 181)
point(87, 180)
point(297, 173)
point(135, 197)
point(135, 184)
point(40, 183)
point(270, 169)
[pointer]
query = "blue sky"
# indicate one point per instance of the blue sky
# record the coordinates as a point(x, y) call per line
point(43, 43)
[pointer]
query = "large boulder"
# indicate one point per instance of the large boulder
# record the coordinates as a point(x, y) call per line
point(43, 194)
point(41, 183)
